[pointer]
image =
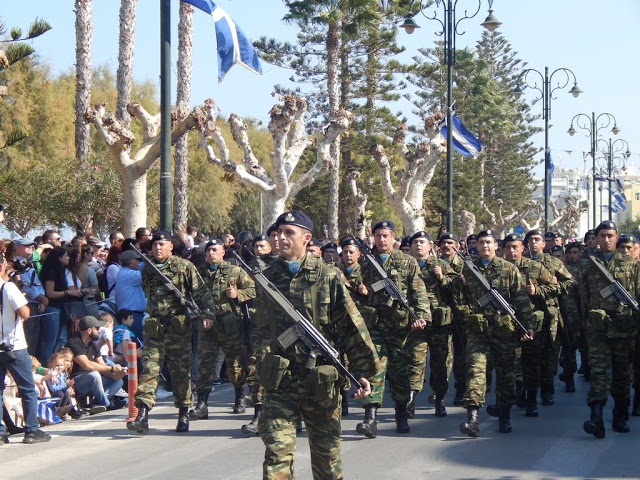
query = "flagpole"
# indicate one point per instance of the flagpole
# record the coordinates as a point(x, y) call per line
point(166, 210)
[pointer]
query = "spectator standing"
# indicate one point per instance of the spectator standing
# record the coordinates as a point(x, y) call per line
point(111, 272)
point(128, 289)
point(116, 238)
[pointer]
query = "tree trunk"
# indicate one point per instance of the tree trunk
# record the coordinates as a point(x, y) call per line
point(125, 60)
point(135, 200)
point(181, 162)
point(84, 30)
point(333, 45)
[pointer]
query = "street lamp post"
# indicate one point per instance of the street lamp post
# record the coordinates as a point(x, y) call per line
point(546, 93)
point(615, 154)
point(448, 33)
point(592, 125)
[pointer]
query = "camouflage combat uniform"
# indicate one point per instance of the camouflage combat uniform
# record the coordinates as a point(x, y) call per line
point(167, 330)
point(292, 389)
point(572, 319)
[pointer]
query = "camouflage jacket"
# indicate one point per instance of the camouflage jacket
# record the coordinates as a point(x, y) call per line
point(572, 305)
point(162, 303)
point(558, 270)
point(508, 281)
point(317, 291)
point(228, 275)
point(547, 288)
point(607, 314)
point(404, 272)
point(353, 279)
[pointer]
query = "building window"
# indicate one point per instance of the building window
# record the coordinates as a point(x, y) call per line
point(637, 196)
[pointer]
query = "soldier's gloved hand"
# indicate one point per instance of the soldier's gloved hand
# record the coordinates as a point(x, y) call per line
point(528, 337)
point(207, 323)
point(419, 324)
point(364, 391)
point(231, 292)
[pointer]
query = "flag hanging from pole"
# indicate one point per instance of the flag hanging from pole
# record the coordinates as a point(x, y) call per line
point(232, 44)
point(463, 140)
point(550, 168)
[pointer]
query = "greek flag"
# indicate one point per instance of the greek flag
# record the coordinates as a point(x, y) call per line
point(384, 4)
point(463, 140)
point(550, 168)
point(233, 46)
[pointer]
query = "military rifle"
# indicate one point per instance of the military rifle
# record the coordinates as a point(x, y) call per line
point(302, 329)
point(385, 283)
point(614, 287)
point(491, 297)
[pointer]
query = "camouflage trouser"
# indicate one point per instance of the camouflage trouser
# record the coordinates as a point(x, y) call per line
point(393, 352)
point(261, 340)
point(569, 340)
point(420, 341)
point(530, 361)
point(170, 341)
point(636, 362)
point(232, 344)
point(610, 369)
point(550, 351)
point(502, 350)
point(459, 342)
point(277, 427)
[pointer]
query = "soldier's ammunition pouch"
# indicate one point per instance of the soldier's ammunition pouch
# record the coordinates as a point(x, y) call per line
point(538, 320)
point(180, 325)
point(273, 372)
point(399, 318)
point(230, 324)
point(598, 321)
point(625, 321)
point(370, 316)
point(441, 316)
point(322, 382)
point(153, 328)
point(477, 323)
point(504, 326)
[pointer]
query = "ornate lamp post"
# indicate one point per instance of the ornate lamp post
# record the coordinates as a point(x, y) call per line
point(529, 78)
point(614, 154)
point(449, 31)
point(593, 125)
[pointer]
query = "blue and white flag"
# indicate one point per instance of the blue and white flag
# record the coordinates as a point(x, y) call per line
point(463, 140)
point(549, 169)
point(384, 4)
point(233, 46)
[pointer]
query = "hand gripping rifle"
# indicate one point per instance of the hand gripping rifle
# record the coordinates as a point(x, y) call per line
point(192, 308)
point(385, 283)
point(614, 287)
point(302, 329)
point(491, 297)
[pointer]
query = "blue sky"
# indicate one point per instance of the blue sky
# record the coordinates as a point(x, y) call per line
point(595, 39)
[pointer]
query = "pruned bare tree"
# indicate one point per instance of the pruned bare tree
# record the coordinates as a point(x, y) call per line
point(361, 223)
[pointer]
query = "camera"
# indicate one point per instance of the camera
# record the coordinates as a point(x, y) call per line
point(21, 265)
point(6, 353)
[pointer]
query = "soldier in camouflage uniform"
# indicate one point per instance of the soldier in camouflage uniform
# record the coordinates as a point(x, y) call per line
point(611, 327)
point(390, 326)
point(550, 342)
point(293, 387)
point(447, 243)
point(230, 286)
point(572, 318)
point(492, 333)
point(167, 331)
point(436, 336)
point(543, 289)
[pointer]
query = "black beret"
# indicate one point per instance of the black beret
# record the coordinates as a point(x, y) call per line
point(314, 242)
point(512, 237)
point(296, 218)
point(420, 234)
point(346, 241)
point(606, 225)
point(272, 228)
point(488, 233)
point(213, 242)
point(556, 248)
point(571, 245)
point(531, 233)
point(405, 242)
point(261, 237)
point(329, 245)
point(549, 235)
point(626, 238)
point(448, 236)
point(160, 235)
point(589, 233)
point(473, 236)
point(383, 224)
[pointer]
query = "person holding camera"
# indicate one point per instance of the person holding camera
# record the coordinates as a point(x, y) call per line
point(15, 358)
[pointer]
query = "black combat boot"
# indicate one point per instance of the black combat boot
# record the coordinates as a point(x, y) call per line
point(569, 384)
point(251, 428)
point(546, 393)
point(504, 420)
point(494, 409)
point(183, 420)
point(141, 423)
point(521, 397)
point(635, 410)
point(240, 405)
point(201, 412)
point(369, 427)
point(595, 426)
point(471, 427)
point(402, 426)
point(621, 416)
point(532, 404)
point(345, 403)
point(411, 404)
point(440, 410)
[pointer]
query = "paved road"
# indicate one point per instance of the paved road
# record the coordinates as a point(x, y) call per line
point(551, 446)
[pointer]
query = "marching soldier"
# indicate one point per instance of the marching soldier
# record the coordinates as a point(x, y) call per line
point(272, 234)
point(576, 337)
point(611, 327)
point(294, 387)
point(491, 333)
point(390, 326)
point(167, 331)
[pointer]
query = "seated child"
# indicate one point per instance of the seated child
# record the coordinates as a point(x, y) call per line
point(122, 334)
point(67, 358)
point(59, 385)
point(104, 344)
